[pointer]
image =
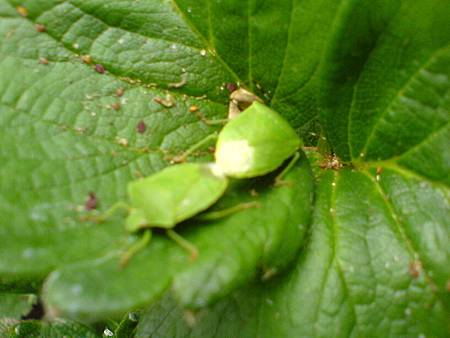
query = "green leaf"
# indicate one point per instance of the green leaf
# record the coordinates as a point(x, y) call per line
point(232, 250)
point(61, 139)
point(358, 261)
point(370, 78)
point(387, 85)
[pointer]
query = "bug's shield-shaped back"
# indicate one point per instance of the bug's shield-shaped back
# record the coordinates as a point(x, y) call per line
point(173, 195)
point(255, 143)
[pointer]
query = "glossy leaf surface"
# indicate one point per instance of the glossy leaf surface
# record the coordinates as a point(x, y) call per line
point(100, 93)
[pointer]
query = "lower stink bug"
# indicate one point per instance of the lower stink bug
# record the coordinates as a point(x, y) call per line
point(252, 144)
point(173, 195)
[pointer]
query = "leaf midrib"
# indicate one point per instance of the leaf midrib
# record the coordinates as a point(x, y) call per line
point(205, 41)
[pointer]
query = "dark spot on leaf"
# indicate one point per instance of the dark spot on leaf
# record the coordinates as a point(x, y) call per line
point(415, 267)
point(120, 92)
point(141, 127)
point(40, 28)
point(116, 106)
point(99, 68)
point(231, 87)
point(91, 202)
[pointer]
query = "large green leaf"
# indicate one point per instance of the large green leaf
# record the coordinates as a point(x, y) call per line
point(72, 142)
point(386, 93)
point(374, 74)
point(257, 241)
point(358, 276)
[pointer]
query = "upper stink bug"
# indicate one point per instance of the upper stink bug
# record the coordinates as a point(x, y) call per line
point(255, 143)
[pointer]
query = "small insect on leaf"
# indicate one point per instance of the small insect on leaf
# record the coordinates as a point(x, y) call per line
point(40, 28)
point(116, 106)
point(141, 127)
point(255, 143)
point(91, 202)
point(120, 92)
point(331, 162)
point(99, 68)
point(173, 195)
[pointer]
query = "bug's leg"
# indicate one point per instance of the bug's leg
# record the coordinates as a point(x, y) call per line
point(135, 248)
point(208, 121)
point(201, 143)
point(228, 211)
point(184, 243)
point(100, 218)
point(279, 179)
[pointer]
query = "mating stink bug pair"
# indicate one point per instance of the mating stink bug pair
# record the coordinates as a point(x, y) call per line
point(254, 143)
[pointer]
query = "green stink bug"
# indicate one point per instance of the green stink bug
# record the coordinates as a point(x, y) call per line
point(173, 195)
point(254, 143)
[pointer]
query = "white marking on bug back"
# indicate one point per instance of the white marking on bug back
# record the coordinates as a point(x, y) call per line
point(234, 157)
point(216, 170)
